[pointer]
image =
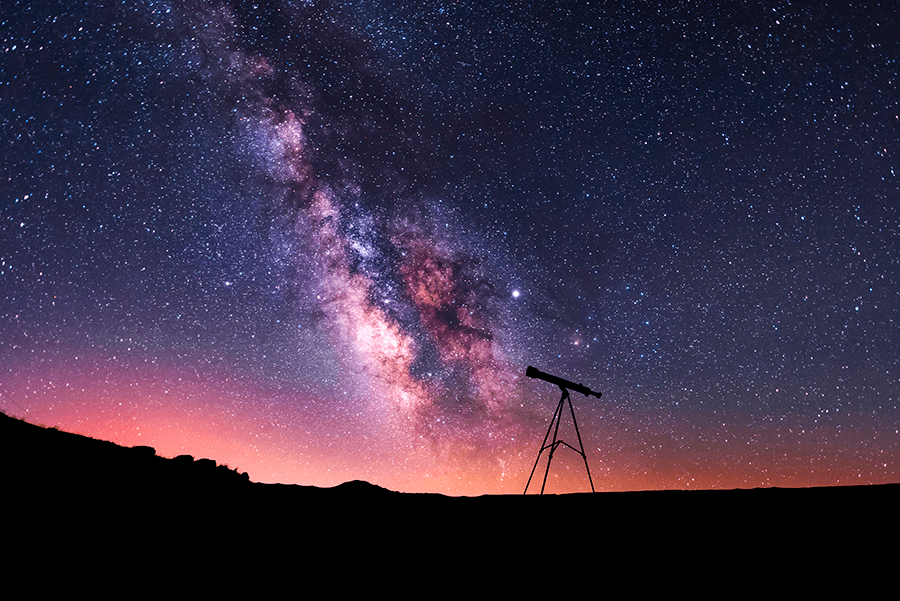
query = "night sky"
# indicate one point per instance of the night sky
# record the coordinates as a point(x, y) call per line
point(322, 241)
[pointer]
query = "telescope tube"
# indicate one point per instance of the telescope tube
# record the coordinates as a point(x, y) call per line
point(532, 372)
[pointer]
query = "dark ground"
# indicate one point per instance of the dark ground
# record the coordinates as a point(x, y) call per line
point(92, 509)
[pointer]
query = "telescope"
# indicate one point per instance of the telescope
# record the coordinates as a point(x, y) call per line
point(565, 386)
point(532, 372)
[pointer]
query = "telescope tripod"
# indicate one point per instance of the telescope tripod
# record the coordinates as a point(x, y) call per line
point(557, 417)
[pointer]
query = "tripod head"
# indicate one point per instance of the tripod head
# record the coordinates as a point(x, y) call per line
point(532, 372)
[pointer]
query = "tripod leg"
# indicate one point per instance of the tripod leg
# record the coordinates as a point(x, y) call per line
point(580, 444)
point(543, 446)
point(558, 417)
point(556, 414)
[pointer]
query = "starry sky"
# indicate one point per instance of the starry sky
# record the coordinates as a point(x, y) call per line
point(321, 241)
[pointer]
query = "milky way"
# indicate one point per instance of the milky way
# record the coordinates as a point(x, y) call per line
point(321, 241)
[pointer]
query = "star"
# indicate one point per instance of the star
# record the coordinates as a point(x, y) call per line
point(323, 241)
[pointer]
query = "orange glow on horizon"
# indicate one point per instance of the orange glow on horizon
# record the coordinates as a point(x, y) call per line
point(178, 411)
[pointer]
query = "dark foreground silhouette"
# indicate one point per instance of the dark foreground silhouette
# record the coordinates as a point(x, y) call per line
point(70, 500)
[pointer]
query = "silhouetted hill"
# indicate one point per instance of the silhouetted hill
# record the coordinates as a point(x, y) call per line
point(75, 499)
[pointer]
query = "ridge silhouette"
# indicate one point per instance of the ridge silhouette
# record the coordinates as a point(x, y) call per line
point(75, 501)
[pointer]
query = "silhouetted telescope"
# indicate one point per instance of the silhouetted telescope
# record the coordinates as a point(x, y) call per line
point(565, 386)
point(532, 372)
